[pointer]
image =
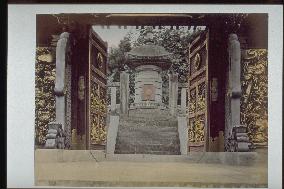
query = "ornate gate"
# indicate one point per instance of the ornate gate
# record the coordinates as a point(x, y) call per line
point(198, 93)
point(96, 103)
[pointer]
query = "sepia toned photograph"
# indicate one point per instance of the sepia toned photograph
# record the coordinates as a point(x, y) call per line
point(151, 100)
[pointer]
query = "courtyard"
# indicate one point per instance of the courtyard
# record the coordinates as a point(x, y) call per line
point(86, 170)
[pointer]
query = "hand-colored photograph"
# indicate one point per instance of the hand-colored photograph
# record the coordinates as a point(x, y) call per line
point(151, 100)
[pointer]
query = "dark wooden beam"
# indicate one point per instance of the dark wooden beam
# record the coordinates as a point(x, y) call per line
point(48, 24)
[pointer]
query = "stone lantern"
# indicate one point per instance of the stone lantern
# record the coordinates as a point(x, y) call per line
point(148, 60)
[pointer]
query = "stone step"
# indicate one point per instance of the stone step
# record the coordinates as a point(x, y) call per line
point(142, 148)
point(142, 141)
point(142, 120)
point(135, 136)
point(156, 146)
point(148, 129)
point(148, 132)
point(147, 152)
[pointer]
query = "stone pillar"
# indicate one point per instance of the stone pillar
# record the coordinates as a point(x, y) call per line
point(173, 92)
point(112, 98)
point(62, 92)
point(124, 93)
point(234, 52)
point(183, 99)
point(59, 90)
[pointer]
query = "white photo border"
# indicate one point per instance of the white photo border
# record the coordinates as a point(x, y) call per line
point(21, 77)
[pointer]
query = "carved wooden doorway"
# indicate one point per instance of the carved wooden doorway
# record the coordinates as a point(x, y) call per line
point(198, 104)
point(89, 91)
point(96, 92)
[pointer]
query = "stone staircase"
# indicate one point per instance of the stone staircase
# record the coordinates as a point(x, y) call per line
point(148, 131)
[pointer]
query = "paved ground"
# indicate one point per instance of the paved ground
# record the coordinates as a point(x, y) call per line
point(114, 173)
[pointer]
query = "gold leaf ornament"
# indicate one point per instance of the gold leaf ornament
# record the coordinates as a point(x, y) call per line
point(100, 60)
point(197, 61)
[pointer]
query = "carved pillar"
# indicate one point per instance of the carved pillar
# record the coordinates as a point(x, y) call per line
point(62, 92)
point(124, 92)
point(234, 82)
point(63, 84)
point(112, 98)
point(183, 99)
point(173, 92)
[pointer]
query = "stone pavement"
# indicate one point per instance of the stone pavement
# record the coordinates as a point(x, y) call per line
point(174, 174)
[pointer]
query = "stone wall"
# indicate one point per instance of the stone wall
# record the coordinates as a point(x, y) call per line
point(44, 97)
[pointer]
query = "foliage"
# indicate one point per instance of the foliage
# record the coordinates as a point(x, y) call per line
point(116, 57)
point(175, 42)
point(44, 97)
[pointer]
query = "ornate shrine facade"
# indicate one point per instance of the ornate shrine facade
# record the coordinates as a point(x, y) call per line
point(227, 81)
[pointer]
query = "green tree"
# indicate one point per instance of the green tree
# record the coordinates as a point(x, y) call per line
point(116, 57)
point(175, 42)
point(117, 60)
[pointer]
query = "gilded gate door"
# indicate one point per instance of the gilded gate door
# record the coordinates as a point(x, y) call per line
point(97, 80)
point(198, 93)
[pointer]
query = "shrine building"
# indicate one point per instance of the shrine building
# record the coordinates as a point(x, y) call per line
point(223, 103)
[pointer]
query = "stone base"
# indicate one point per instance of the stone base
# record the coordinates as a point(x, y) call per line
point(197, 147)
point(51, 135)
point(226, 158)
point(145, 105)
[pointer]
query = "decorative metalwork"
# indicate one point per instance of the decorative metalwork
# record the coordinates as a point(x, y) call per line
point(192, 101)
point(100, 60)
point(197, 103)
point(81, 88)
point(199, 128)
point(191, 130)
point(196, 129)
point(254, 101)
point(98, 91)
point(98, 115)
point(201, 97)
point(197, 109)
point(197, 61)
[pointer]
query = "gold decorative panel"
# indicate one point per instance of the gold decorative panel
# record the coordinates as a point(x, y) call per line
point(197, 99)
point(254, 101)
point(200, 101)
point(199, 128)
point(98, 115)
point(192, 101)
point(44, 97)
point(196, 129)
point(97, 100)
